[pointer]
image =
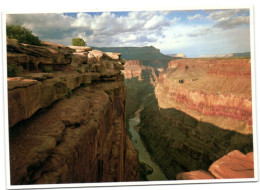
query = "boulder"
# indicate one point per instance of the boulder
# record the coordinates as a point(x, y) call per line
point(114, 56)
point(80, 49)
point(233, 165)
point(97, 54)
point(92, 59)
point(200, 174)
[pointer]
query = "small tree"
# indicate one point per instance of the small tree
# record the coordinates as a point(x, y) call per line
point(22, 34)
point(78, 42)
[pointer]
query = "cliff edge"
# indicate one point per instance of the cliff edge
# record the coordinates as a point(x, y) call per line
point(68, 125)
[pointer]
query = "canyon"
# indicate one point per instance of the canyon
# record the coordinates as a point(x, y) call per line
point(82, 114)
point(195, 111)
point(68, 126)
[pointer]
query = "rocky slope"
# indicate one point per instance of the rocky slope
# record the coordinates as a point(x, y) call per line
point(68, 126)
point(233, 165)
point(217, 91)
point(181, 143)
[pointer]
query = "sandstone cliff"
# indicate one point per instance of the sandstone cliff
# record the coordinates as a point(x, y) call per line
point(217, 91)
point(68, 126)
point(135, 68)
point(233, 165)
point(178, 135)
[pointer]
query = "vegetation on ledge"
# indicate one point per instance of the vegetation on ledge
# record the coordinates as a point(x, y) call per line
point(22, 34)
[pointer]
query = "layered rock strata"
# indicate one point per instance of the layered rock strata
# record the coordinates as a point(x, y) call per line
point(202, 110)
point(135, 68)
point(233, 165)
point(217, 91)
point(180, 143)
point(68, 126)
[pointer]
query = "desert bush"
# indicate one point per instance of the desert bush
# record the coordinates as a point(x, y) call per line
point(79, 70)
point(22, 34)
point(47, 69)
point(87, 68)
point(13, 70)
point(78, 42)
point(69, 93)
point(84, 85)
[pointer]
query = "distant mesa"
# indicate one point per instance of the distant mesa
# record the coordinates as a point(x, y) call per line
point(178, 55)
point(148, 55)
point(244, 54)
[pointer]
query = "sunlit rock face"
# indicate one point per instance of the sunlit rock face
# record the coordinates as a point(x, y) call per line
point(233, 165)
point(133, 68)
point(217, 91)
point(68, 126)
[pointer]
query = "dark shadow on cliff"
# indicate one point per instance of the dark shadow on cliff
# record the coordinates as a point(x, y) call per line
point(180, 143)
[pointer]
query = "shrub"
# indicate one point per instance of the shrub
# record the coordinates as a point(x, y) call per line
point(69, 93)
point(78, 42)
point(13, 70)
point(22, 34)
point(84, 85)
point(79, 70)
point(47, 69)
point(88, 68)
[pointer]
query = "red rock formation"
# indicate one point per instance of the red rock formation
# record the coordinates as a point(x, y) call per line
point(80, 138)
point(233, 165)
point(133, 68)
point(211, 90)
point(200, 174)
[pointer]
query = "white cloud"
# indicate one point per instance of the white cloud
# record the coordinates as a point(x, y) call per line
point(194, 17)
point(200, 32)
point(140, 28)
point(102, 29)
point(227, 19)
point(155, 22)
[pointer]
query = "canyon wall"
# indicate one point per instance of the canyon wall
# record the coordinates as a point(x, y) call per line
point(217, 91)
point(180, 143)
point(198, 111)
point(133, 68)
point(68, 126)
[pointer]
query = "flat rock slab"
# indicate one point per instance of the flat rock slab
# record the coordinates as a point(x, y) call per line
point(114, 56)
point(233, 165)
point(19, 82)
point(38, 76)
point(200, 174)
point(81, 48)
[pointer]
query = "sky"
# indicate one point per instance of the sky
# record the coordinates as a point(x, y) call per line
point(191, 32)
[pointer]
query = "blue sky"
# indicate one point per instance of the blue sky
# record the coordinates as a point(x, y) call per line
point(192, 32)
